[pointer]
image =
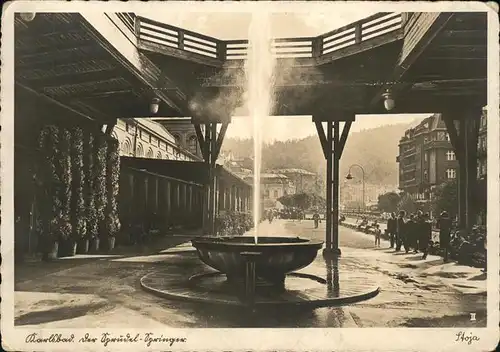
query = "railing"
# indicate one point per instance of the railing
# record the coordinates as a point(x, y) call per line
point(358, 32)
point(170, 36)
point(280, 48)
point(128, 18)
point(355, 33)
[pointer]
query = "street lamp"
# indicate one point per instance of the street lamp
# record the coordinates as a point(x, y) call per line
point(28, 16)
point(154, 106)
point(349, 177)
point(389, 102)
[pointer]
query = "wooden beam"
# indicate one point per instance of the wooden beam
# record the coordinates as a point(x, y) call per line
point(201, 140)
point(407, 60)
point(56, 102)
point(343, 137)
point(322, 137)
point(56, 80)
point(361, 47)
point(28, 44)
point(454, 133)
point(110, 127)
point(220, 139)
point(181, 54)
point(99, 24)
point(66, 56)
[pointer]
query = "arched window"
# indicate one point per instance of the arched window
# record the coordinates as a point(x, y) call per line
point(139, 152)
point(149, 155)
point(114, 135)
point(158, 155)
point(126, 147)
point(192, 144)
point(177, 139)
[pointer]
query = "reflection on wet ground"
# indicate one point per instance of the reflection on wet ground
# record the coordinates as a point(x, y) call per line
point(98, 293)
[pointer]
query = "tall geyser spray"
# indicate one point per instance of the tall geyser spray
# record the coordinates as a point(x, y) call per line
point(259, 70)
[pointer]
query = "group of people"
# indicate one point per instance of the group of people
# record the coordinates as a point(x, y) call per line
point(414, 232)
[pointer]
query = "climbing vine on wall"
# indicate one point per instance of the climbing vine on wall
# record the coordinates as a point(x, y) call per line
point(64, 171)
point(78, 216)
point(100, 196)
point(113, 177)
point(88, 186)
point(48, 182)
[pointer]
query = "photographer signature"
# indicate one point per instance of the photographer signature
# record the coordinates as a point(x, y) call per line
point(469, 339)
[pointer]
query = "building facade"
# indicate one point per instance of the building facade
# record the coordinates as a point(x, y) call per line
point(272, 188)
point(183, 133)
point(482, 154)
point(303, 180)
point(426, 158)
point(146, 138)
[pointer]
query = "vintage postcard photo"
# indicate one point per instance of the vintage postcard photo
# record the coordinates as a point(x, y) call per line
point(250, 176)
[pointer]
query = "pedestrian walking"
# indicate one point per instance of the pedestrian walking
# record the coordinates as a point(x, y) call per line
point(444, 225)
point(316, 220)
point(400, 229)
point(411, 233)
point(391, 229)
point(419, 220)
point(378, 234)
point(425, 234)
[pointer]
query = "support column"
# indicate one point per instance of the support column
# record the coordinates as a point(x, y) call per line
point(335, 185)
point(233, 198)
point(463, 128)
point(333, 145)
point(210, 145)
point(221, 193)
point(329, 194)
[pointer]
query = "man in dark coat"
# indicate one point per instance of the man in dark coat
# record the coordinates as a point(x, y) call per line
point(392, 229)
point(411, 231)
point(419, 221)
point(425, 234)
point(400, 230)
point(444, 224)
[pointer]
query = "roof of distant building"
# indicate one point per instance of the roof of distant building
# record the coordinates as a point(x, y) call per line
point(269, 176)
point(294, 171)
point(157, 128)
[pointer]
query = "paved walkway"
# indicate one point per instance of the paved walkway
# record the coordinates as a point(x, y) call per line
point(100, 292)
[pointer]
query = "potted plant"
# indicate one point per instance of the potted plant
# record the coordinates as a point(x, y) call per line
point(61, 232)
point(78, 213)
point(50, 243)
point(112, 219)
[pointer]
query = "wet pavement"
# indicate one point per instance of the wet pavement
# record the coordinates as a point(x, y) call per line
point(100, 292)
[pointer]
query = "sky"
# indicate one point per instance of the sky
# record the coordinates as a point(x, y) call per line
point(235, 25)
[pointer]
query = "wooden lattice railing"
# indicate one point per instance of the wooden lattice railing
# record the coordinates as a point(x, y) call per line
point(355, 33)
point(178, 38)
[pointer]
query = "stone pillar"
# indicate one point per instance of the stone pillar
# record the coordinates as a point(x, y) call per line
point(221, 194)
point(462, 124)
point(233, 198)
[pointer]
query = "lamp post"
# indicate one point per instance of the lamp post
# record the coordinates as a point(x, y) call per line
point(349, 177)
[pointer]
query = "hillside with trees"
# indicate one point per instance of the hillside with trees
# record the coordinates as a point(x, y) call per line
point(375, 149)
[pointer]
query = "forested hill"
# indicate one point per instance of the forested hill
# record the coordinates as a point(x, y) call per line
point(375, 149)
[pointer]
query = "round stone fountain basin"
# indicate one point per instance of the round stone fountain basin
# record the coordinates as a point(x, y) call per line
point(274, 257)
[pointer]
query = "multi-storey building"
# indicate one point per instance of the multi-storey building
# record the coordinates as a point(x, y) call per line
point(145, 138)
point(183, 133)
point(482, 153)
point(273, 187)
point(304, 181)
point(351, 193)
point(426, 158)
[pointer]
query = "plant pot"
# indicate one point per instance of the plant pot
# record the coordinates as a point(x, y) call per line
point(83, 246)
point(72, 245)
point(95, 245)
point(53, 251)
point(111, 243)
